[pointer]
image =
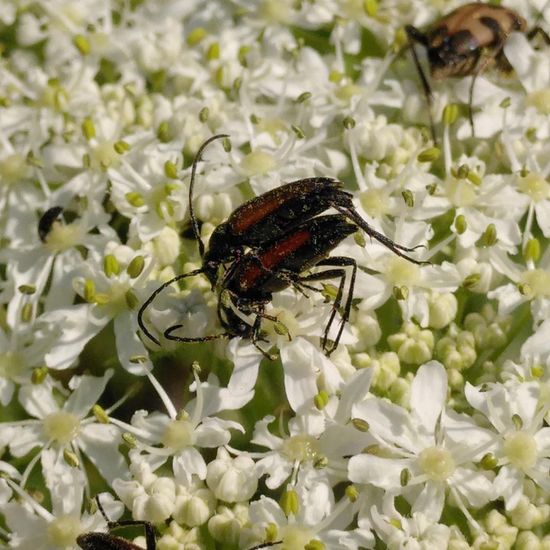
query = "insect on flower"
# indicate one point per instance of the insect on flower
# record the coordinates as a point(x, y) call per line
point(466, 42)
point(47, 220)
point(270, 243)
point(106, 541)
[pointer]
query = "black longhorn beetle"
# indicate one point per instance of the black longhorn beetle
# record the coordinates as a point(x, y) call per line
point(106, 541)
point(466, 42)
point(266, 245)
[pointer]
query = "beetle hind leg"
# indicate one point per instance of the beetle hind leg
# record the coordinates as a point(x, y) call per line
point(396, 248)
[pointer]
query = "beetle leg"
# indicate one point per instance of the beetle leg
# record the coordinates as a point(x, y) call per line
point(541, 33)
point(266, 545)
point(414, 35)
point(169, 336)
point(397, 249)
point(341, 261)
point(150, 542)
point(275, 319)
point(255, 336)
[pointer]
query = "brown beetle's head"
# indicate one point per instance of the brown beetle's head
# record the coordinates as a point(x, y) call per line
point(221, 249)
point(452, 55)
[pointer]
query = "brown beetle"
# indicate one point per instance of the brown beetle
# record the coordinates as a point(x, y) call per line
point(268, 244)
point(466, 42)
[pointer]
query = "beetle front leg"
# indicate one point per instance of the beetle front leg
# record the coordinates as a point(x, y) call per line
point(414, 35)
point(340, 261)
point(255, 336)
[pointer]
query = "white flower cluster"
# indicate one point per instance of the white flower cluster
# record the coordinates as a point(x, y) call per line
point(427, 428)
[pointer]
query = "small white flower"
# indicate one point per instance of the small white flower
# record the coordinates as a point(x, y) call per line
point(231, 479)
point(68, 427)
point(431, 453)
point(523, 443)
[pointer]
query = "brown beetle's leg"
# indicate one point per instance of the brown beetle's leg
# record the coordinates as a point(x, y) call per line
point(149, 301)
point(414, 35)
point(397, 249)
point(540, 32)
point(266, 545)
point(255, 336)
point(341, 261)
point(169, 336)
point(147, 526)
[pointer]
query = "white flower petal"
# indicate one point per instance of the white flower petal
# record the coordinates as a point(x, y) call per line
point(475, 486)
point(189, 462)
point(391, 423)
point(38, 400)
point(380, 472)
point(132, 354)
point(355, 390)
point(100, 444)
point(430, 501)
point(86, 392)
point(428, 394)
point(301, 366)
point(509, 485)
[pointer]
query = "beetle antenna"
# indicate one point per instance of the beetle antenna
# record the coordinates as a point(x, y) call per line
point(149, 300)
point(100, 508)
point(196, 160)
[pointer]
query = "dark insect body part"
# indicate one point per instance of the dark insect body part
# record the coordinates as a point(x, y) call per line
point(106, 541)
point(266, 245)
point(466, 42)
point(47, 220)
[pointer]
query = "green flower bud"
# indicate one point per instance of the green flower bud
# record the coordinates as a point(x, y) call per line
point(99, 412)
point(135, 267)
point(290, 503)
point(429, 155)
point(121, 147)
point(88, 128)
point(170, 170)
point(81, 44)
point(303, 97)
point(196, 35)
point(110, 265)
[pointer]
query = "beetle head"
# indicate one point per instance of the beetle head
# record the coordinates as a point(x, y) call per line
point(220, 249)
point(452, 55)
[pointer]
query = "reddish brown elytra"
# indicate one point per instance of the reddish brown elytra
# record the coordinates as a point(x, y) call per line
point(266, 245)
point(107, 541)
point(466, 42)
